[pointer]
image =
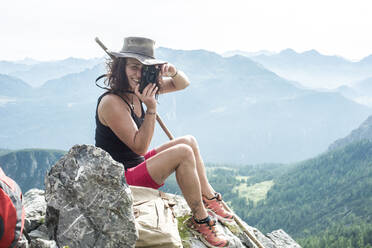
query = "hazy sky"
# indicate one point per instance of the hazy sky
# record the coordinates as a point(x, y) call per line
point(52, 29)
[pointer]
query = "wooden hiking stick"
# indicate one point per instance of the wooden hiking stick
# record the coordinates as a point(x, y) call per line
point(165, 129)
point(161, 123)
point(237, 220)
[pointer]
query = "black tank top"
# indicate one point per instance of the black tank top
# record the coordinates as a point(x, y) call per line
point(108, 141)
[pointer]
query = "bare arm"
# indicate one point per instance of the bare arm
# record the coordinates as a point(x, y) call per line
point(175, 79)
point(115, 114)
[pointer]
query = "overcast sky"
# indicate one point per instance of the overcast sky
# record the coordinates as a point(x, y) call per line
point(51, 29)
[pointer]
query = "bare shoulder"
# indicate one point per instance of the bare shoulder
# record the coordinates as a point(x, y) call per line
point(110, 106)
point(112, 101)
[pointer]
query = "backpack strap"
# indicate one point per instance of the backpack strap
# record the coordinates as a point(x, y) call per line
point(1, 227)
point(168, 203)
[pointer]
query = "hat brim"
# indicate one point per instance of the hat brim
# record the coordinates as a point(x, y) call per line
point(141, 58)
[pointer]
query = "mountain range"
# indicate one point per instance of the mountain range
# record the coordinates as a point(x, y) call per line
point(36, 73)
point(359, 91)
point(239, 111)
point(313, 69)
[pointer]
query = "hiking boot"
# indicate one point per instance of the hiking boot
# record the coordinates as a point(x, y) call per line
point(207, 232)
point(215, 205)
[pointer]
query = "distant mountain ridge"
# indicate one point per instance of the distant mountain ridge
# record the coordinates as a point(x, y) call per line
point(363, 132)
point(35, 73)
point(358, 91)
point(315, 70)
point(248, 54)
point(13, 87)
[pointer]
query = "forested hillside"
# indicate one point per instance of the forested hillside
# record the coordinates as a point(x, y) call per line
point(354, 236)
point(331, 190)
point(28, 167)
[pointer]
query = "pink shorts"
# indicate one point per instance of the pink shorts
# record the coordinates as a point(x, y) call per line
point(139, 175)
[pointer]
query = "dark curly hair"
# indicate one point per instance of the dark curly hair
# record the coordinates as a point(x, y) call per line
point(117, 79)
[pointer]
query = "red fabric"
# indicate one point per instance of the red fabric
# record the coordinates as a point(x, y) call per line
point(150, 154)
point(9, 215)
point(8, 211)
point(139, 175)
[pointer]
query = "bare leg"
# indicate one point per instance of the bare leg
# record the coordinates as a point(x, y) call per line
point(179, 158)
point(189, 140)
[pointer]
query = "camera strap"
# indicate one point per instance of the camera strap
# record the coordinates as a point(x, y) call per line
point(105, 88)
point(99, 78)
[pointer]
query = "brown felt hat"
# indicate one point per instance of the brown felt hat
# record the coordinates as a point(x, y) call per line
point(138, 48)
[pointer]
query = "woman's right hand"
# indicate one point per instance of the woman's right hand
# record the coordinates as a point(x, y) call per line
point(147, 96)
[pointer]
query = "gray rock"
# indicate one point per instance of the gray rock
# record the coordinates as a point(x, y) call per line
point(41, 232)
point(35, 207)
point(41, 243)
point(89, 203)
point(23, 243)
point(282, 239)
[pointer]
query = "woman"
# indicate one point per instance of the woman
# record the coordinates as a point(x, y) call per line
point(125, 131)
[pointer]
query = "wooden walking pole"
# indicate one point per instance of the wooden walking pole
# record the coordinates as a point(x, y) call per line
point(237, 220)
point(165, 129)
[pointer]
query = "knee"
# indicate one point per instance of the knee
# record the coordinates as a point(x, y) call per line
point(184, 152)
point(189, 140)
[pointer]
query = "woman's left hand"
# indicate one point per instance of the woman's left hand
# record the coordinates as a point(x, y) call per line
point(147, 96)
point(168, 70)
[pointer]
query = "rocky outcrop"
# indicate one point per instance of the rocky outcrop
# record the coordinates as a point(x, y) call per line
point(87, 203)
point(35, 228)
point(282, 239)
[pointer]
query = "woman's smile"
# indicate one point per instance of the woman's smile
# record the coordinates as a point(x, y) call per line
point(133, 71)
